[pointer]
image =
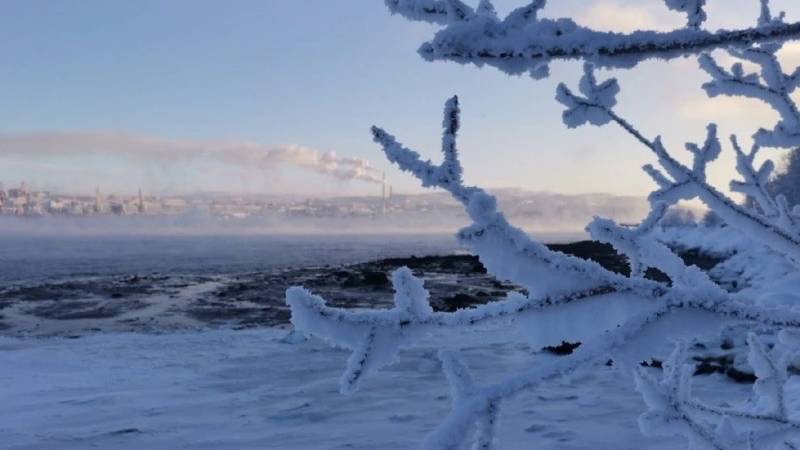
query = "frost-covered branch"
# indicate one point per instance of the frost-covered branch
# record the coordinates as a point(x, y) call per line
point(577, 300)
point(524, 42)
point(473, 405)
point(677, 182)
point(666, 399)
point(754, 183)
point(773, 87)
point(569, 298)
point(605, 321)
point(764, 423)
point(694, 9)
point(462, 390)
point(375, 337)
point(576, 289)
point(506, 251)
point(644, 251)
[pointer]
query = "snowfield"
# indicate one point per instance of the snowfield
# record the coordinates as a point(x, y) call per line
point(254, 389)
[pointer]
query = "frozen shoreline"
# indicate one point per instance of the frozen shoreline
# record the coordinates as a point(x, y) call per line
point(170, 303)
point(174, 302)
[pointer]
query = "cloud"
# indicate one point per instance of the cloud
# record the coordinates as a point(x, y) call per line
point(617, 17)
point(789, 56)
point(723, 107)
point(146, 149)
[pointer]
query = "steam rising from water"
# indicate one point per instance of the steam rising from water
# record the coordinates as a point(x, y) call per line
point(149, 149)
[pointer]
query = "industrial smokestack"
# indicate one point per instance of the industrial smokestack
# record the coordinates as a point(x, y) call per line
point(99, 205)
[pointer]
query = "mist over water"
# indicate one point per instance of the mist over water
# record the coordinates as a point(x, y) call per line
point(199, 223)
point(54, 249)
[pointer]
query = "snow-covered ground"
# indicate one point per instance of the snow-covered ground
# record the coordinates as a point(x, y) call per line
point(226, 389)
point(254, 389)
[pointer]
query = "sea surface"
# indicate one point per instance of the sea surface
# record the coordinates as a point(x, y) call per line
point(46, 258)
point(37, 258)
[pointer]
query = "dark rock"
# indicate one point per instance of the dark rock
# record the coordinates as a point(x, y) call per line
point(726, 344)
point(601, 253)
point(606, 256)
point(696, 257)
point(656, 363)
point(706, 368)
point(565, 348)
point(463, 264)
point(722, 364)
point(375, 279)
point(739, 376)
point(457, 301)
point(721, 360)
point(125, 431)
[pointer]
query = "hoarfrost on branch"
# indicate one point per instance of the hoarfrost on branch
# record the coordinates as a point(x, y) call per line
point(572, 299)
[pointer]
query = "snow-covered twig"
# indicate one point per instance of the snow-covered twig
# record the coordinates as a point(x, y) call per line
point(673, 411)
point(754, 183)
point(644, 251)
point(694, 9)
point(469, 409)
point(374, 337)
point(506, 251)
point(679, 182)
point(775, 91)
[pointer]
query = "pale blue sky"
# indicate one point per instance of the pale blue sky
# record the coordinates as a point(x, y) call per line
point(318, 73)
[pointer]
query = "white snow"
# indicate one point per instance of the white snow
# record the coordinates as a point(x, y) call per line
point(228, 389)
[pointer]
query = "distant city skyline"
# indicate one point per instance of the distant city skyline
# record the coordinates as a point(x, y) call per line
point(25, 209)
point(315, 75)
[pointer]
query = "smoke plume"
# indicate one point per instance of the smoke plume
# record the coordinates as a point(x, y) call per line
point(147, 149)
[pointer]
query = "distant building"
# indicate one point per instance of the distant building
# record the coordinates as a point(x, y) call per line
point(118, 209)
point(140, 207)
point(99, 204)
point(16, 193)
